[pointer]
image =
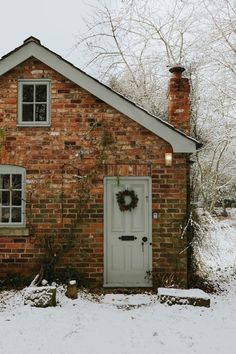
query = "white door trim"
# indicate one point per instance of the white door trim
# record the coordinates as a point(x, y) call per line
point(149, 180)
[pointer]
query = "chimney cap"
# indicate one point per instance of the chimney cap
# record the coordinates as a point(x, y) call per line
point(177, 69)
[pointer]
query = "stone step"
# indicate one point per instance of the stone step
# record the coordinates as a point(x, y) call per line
point(194, 297)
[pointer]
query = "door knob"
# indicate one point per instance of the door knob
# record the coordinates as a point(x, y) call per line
point(144, 239)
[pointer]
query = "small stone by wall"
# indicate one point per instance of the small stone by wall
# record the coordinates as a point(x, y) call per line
point(44, 296)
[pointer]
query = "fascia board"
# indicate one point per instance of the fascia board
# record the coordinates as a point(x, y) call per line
point(179, 142)
point(16, 58)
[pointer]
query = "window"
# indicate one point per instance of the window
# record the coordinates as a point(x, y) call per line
point(12, 202)
point(33, 103)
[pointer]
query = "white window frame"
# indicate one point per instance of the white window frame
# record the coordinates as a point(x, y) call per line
point(34, 123)
point(9, 169)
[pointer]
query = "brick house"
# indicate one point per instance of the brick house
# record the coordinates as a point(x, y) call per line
point(88, 180)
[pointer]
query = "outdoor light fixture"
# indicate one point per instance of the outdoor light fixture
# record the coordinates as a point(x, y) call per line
point(168, 158)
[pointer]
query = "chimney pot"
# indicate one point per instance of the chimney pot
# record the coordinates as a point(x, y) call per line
point(177, 71)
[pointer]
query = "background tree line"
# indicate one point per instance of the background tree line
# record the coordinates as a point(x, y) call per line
point(132, 44)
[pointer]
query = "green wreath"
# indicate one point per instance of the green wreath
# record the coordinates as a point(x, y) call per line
point(120, 197)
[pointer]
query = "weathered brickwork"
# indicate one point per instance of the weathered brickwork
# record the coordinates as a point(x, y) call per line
point(178, 96)
point(89, 139)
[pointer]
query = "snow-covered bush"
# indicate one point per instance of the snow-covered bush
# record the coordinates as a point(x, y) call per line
point(214, 249)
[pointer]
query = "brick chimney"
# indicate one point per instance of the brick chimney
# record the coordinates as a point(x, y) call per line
point(178, 100)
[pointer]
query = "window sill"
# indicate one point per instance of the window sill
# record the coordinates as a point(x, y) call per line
point(14, 231)
point(34, 125)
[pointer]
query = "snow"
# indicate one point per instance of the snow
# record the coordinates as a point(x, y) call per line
point(190, 293)
point(123, 324)
point(44, 282)
point(72, 282)
point(215, 250)
point(88, 325)
point(128, 301)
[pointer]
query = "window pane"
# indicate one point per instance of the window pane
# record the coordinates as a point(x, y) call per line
point(16, 198)
point(16, 181)
point(16, 215)
point(41, 113)
point(41, 93)
point(11, 195)
point(5, 215)
point(28, 93)
point(5, 197)
point(5, 181)
point(27, 112)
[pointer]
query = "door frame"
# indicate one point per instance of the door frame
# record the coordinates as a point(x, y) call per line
point(105, 248)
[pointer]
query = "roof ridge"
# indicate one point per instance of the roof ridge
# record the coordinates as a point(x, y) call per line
point(32, 39)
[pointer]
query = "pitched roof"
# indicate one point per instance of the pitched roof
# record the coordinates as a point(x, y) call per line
point(32, 47)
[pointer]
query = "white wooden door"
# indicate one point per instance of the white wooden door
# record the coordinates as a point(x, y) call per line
point(127, 234)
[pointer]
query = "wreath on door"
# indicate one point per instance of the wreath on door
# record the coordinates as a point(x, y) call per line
point(122, 201)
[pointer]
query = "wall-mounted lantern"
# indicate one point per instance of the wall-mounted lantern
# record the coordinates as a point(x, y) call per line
point(168, 158)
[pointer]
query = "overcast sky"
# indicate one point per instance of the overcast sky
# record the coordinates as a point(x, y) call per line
point(55, 22)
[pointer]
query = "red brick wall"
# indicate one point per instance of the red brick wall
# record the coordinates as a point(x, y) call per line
point(51, 159)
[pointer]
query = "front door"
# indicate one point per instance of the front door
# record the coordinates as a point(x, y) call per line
point(127, 233)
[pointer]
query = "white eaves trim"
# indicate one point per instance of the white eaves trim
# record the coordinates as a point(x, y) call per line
point(179, 142)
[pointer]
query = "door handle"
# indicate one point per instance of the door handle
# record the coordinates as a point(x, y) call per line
point(144, 239)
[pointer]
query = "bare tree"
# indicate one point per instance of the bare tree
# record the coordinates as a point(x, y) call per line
point(132, 46)
point(222, 14)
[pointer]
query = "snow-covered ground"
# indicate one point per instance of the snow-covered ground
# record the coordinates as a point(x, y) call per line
point(215, 251)
point(121, 324)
